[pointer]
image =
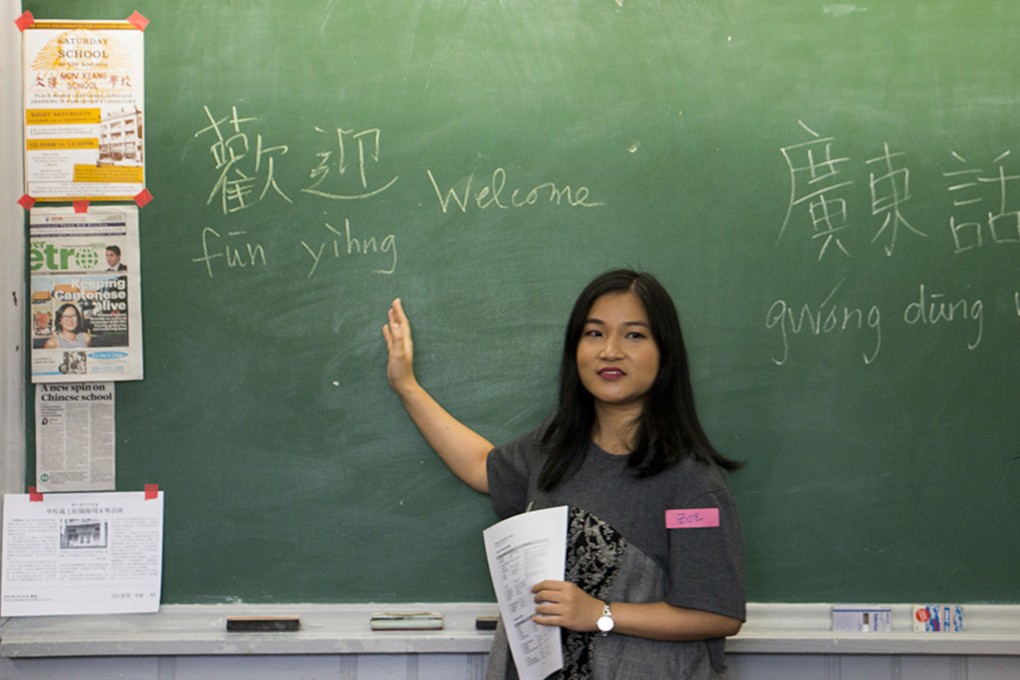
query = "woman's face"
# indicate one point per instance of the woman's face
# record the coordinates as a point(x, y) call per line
point(69, 320)
point(617, 358)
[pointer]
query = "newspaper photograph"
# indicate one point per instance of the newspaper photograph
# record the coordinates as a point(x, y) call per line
point(84, 110)
point(85, 308)
point(82, 553)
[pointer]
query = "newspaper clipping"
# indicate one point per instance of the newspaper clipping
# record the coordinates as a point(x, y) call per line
point(74, 437)
point(86, 295)
point(82, 553)
point(84, 122)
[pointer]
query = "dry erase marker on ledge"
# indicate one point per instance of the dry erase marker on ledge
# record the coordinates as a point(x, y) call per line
point(263, 624)
point(407, 621)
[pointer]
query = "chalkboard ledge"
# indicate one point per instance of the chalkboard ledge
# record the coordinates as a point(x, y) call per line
point(186, 630)
point(990, 630)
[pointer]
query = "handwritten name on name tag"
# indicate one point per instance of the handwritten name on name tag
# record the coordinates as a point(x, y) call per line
point(692, 518)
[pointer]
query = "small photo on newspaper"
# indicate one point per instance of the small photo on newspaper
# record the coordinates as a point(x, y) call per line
point(86, 304)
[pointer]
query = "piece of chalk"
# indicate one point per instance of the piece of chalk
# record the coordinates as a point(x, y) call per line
point(263, 624)
point(486, 622)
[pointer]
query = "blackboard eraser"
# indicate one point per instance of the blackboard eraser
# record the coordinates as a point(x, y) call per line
point(407, 621)
point(486, 622)
point(263, 624)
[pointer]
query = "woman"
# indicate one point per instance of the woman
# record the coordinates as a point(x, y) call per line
point(69, 333)
point(625, 445)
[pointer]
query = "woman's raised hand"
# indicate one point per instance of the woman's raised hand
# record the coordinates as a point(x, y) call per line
point(462, 449)
point(400, 348)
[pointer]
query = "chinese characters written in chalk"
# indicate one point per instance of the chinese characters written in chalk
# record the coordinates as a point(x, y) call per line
point(348, 165)
point(242, 165)
point(981, 201)
point(818, 180)
point(821, 176)
point(335, 163)
point(246, 163)
point(977, 220)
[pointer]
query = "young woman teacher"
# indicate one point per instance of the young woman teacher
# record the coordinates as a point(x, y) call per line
point(648, 593)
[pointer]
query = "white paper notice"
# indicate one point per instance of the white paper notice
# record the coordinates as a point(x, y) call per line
point(82, 553)
point(74, 437)
point(522, 551)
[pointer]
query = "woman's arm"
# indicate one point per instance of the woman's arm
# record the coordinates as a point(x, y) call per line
point(462, 449)
point(564, 604)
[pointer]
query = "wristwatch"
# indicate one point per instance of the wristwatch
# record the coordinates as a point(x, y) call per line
point(605, 622)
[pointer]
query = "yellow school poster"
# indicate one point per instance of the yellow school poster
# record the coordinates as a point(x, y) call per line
point(84, 110)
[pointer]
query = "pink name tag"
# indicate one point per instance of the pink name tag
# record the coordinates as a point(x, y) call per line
point(692, 518)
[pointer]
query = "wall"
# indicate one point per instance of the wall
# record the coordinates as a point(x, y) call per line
point(12, 272)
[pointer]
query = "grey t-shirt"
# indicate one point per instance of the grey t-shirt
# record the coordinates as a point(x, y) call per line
point(638, 558)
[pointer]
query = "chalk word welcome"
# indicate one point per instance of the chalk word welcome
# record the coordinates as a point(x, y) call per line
point(494, 194)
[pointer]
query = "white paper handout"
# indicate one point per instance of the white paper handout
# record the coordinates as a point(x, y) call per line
point(522, 551)
point(82, 553)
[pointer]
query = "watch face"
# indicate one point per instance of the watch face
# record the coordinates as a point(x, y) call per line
point(605, 623)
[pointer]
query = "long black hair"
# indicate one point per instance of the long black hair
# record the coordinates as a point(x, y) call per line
point(668, 429)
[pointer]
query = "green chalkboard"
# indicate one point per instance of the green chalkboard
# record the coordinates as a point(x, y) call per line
point(829, 190)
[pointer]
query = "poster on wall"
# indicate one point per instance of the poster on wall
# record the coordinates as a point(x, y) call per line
point(84, 111)
point(86, 304)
